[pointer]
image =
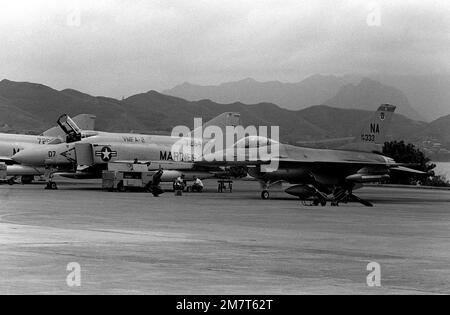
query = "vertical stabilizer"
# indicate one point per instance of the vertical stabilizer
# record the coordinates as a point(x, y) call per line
point(222, 121)
point(373, 135)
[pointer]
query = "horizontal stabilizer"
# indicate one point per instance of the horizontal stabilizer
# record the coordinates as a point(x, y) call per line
point(407, 170)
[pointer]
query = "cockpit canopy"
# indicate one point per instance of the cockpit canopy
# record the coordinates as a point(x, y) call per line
point(70, 128)
point(254, 142)
point(88, 133)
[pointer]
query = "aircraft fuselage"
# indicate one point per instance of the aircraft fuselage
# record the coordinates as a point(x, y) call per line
point(298, 165)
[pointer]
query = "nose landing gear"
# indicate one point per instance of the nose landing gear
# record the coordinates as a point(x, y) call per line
point(265, 188)
point(51, 185)
point(49, 173)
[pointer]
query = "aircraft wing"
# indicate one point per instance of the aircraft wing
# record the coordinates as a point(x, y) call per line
point(6, 159)
point(322, 165)
point(392, 166)
point(293, 162)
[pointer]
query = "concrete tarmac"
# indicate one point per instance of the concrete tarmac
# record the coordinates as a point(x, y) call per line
point(221, 243)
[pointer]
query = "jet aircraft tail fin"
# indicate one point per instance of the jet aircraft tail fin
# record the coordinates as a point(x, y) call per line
point(373, 134)
point(85, 121)
point(222, 121)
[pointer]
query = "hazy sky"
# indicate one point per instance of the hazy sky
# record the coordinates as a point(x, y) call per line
point(121, 47)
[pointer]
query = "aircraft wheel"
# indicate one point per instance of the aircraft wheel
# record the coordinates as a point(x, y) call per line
point(27, 179)
point(120, 187)
point(51, 186)
point(265, 195)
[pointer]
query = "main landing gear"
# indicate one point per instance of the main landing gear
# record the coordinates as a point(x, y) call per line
point(11, 181)
point(319, 198)
point(315, 195)
point(345, 194)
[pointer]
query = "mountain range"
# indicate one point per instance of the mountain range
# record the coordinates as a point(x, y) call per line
point(32, 108)
point(417, 97)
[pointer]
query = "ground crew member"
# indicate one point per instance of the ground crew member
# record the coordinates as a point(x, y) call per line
point(179, 183)
point(198, 185)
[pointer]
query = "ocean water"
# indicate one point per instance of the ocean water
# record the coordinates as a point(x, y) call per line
point(443, 168)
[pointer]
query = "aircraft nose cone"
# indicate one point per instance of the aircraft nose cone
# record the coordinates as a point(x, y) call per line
point(29, 157)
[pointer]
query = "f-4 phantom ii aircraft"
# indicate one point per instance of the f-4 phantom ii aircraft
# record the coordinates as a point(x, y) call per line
point(317, 174)
point(10, 144)
point(87, 157)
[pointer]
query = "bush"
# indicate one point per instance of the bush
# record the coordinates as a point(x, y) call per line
point(409, 154)
point(436, 181)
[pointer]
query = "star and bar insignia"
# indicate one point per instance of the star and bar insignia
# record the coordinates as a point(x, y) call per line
point(106, 154)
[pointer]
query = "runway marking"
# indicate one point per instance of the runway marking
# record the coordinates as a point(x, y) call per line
point(32, 235)
point(12, 214)
point(171, 236)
